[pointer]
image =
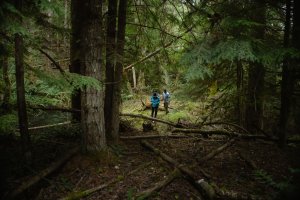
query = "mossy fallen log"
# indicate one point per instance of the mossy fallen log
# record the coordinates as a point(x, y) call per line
point(201, 185)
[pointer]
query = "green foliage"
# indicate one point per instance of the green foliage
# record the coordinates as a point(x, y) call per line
point(130, 194)
point(8, 123)
point(266, 178)
point(183, 115)
point(55, 88)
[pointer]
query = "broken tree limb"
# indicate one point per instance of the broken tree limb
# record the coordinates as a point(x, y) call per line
point(149, 118)
point(61, 70)
point(202, 186)
point(48, 126)
point(151, 137)
point(85, 193)
point(217, 151)
point(158, 186)
point(230, 134)
point(44, 173)
point(227, 123)
point(203, 132)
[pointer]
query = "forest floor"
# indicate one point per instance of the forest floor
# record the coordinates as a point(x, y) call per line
point(247, 167)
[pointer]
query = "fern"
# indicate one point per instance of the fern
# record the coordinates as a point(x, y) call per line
point(8, 123)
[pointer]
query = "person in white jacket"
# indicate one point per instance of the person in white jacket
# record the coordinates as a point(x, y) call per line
point(166, 98)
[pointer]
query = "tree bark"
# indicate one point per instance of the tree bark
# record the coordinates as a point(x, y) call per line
point(22, 112)
point(118, 70)
point(76, 46)
point(256, 74)
point(287, 81)
point(239, 92)
point(92, 100)
point(110, 64)
point(6, 105)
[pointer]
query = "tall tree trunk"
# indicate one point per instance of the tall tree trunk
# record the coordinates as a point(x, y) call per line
point(6, 106)
point(92, 100)
point(119, 69)
point(239, 88)
point(76, 46)
point(22, 112)
point(110, 61)
point(255, 100)
point(287, 82)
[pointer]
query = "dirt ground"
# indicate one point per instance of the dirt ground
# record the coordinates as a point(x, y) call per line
point(136, 169)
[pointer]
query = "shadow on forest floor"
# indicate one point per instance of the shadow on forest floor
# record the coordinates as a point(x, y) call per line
point(230, 170)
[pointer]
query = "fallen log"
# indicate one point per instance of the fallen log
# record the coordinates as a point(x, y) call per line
point(227, 123)
point(203, 132)
point(225, 194)
point(44, 173)
point(151, 137)
point(202, 186)
point(217, 151)
point(158, 186)
point(230, 134)
point(149, 118)
point(85, 193)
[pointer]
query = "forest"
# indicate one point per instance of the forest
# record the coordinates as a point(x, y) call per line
point(150, 99)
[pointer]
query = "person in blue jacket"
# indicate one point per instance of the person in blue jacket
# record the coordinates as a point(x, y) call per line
point(154, 104)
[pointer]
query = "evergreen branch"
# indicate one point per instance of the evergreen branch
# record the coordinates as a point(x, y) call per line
point(158, 50)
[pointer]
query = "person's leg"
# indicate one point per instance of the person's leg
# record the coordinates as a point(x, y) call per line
point(152, 111)
point(166, 107)
point(156, 111)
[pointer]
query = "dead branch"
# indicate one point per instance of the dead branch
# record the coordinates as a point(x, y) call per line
point(203, 132)
point(46, 172)
point(230, 134)
point(85, 193)
point(227, 123)
point(158, 186)
point(202, 186)
point(151, 137)
point(217, 151)
point(53, 61)
point(47, 126)
point(149, 118)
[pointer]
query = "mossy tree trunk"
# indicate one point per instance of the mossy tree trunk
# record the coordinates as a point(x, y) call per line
point(119, 70)
point(75, 51)
point(6, 105)
point(110, 64)
point(256, 74)
point(21, 103)
point(92, 100)
point(287, 81)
